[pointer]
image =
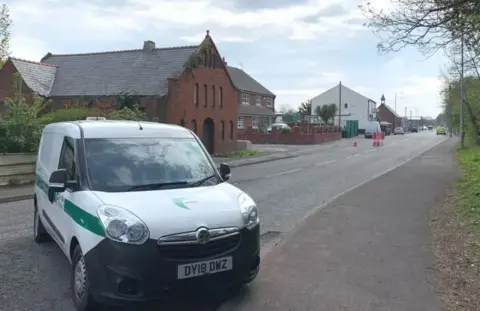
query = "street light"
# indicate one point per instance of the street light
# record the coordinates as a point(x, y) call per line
point(398, 93)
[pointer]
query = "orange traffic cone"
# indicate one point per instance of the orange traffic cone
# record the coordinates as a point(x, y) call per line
point(355, 143)
point(374, 143)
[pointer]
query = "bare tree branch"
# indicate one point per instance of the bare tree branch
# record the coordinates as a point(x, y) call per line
point(429, 25)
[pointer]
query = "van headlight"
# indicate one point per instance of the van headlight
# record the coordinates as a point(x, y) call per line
point(122, 226)
point(249, 211)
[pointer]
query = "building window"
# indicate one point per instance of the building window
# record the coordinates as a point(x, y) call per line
point(345, 106)
point(214, 56)
point(231, 129)
point(213, 95)
point(255, 121)
point(240, 122)
point(258, 100)
point(195, 94)
point(269, 102)
point(222, 129)
point(194, 126)
point(245, 99)
point(220, 96)
point(182, 123)
point(205, 95)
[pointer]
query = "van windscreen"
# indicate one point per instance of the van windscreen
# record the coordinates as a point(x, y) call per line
point(120, 164)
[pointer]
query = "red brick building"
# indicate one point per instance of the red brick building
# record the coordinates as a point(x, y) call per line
point(256, 103)
point(187, 85)
point(387, 114)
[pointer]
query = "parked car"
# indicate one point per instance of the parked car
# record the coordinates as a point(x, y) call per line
point(139, 209)
point(280, 127)
point(398, 131)
point(441, 130)
point(414, 130)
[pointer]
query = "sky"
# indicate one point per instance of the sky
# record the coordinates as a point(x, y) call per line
point(295, 48)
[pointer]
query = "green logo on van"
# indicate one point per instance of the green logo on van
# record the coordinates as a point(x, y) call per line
point(180, 202)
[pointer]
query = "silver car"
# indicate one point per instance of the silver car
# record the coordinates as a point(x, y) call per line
point(398, 131)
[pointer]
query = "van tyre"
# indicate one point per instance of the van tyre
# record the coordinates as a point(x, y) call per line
point(82, 299)
point(40, 235)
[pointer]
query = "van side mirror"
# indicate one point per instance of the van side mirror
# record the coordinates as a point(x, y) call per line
point(57, 183)
point(225, 171)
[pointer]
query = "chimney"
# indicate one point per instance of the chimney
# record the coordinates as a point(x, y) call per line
point(223, 58)
point(148, 46)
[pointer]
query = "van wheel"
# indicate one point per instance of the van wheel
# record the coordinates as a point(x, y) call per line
point(40, 235)
point(82, 299)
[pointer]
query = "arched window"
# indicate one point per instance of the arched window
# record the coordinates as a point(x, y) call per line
point(222, 129)
point(182, 123)
point(194, 126)
point(231, 129)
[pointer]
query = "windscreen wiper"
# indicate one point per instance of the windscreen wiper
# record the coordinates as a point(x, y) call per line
point(156, 186)
point(201, 181)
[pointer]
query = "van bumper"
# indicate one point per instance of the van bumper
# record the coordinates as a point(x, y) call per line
point(127, 275)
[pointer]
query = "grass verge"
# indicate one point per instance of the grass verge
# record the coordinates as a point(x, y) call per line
point(240, 154)
point(456, 236)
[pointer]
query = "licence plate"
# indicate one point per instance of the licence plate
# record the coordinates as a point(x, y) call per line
point(204, 267)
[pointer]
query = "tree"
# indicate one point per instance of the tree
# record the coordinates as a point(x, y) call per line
point(5, 32)
point(326, 112)
point(471, 84)
point(305, 109)
point(427, 24)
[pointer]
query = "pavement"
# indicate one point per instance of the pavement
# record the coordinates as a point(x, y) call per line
point(289, 193)
point(367, 250)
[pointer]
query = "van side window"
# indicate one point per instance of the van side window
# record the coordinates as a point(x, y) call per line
point(67, 158)
point(46, 148)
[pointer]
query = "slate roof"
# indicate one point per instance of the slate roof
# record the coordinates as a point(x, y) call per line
point(112, 73)
point(255, 110)
point(245, 82)
point(39, 77)
point(391, 110)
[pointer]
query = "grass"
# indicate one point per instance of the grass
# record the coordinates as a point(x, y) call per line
point(240, 154)
point(456, 236)
point(468, 194)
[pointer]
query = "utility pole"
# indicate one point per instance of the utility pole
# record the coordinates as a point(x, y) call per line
point(462, 95)
point(405, 125)
point(411, 120)
point(400, 93)
point(340, 104)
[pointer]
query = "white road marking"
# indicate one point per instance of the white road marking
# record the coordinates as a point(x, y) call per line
point(353, 155)
point(286, 172)
point(325, 163)
point(371, 150)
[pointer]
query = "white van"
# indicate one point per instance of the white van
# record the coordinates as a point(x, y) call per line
point(140, 210)
point(372, 127)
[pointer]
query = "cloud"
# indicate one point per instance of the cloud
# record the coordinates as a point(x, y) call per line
point(28, 48)
point(196, 39)
point(295, 48)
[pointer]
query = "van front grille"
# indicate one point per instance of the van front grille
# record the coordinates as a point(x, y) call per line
point(194, 251)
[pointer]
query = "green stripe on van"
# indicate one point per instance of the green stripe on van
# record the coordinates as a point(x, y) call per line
point(80, 216)
point(83, 218)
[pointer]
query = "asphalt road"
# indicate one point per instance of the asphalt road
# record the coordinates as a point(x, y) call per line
point(36, 277)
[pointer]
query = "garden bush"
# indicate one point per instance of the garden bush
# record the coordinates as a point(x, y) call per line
point(22, 130)
point(71, 114)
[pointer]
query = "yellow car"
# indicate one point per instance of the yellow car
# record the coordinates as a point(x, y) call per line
point(441, 131)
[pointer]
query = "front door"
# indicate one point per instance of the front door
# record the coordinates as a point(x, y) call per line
point(208, 135)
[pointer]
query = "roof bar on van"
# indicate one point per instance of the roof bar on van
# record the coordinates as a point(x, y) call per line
point(96, 118)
